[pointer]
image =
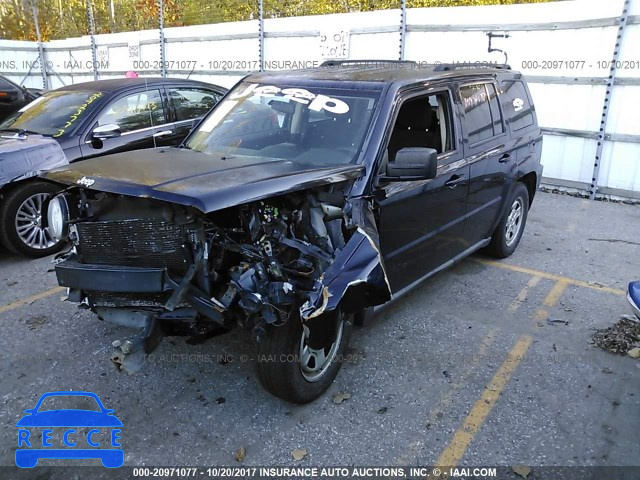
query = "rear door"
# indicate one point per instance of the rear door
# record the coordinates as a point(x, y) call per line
point(421, 223)
point(490, 155)
point(189, 103)
point(142, 118)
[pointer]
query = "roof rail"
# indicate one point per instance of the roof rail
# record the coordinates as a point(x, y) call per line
point(373, 62)
point(444, 67)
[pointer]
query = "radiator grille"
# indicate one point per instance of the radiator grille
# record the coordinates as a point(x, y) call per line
point(108, 299)
point(135, 243)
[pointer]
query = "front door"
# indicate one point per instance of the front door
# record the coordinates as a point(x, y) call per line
point(143, 123)
point(421, 223)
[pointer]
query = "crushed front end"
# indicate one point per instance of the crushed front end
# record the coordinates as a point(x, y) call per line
point(170, 269)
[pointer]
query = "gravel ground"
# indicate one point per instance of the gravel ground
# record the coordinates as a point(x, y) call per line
point(414, 372)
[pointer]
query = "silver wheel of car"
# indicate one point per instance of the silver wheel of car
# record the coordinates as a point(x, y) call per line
point(514, 222)
point(314, 363)
point(29, 223)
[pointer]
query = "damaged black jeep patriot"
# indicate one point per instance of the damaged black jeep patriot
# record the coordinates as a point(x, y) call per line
point(302, 200)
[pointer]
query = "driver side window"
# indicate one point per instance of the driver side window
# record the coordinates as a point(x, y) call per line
point(423, 121)
point(135, 111)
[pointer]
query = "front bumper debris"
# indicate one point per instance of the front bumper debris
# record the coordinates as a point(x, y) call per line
point(84, 278)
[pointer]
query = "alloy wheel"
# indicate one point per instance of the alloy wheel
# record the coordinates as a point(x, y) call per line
point(29, 223)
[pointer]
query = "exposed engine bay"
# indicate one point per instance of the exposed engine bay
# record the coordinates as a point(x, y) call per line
point(287, 258)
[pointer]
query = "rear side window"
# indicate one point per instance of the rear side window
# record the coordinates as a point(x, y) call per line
point(516, 104)
point(477, 112)
point(190, 103)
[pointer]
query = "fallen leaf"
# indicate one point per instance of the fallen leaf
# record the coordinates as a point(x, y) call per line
point(126, 347)
point(521, 470)
point(341, 397)
point(299, 453)
point(240, 454)
point(634, 352)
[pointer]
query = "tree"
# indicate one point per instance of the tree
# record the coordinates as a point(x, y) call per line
point(68, 18)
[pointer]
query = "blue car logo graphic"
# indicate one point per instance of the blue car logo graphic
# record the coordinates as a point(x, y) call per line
point(65, 421)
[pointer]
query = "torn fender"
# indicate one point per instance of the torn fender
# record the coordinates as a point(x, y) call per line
point(356, 279)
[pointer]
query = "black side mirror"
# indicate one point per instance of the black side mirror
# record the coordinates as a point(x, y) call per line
point(413, 163)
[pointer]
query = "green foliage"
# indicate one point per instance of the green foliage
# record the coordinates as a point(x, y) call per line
point(69, 18)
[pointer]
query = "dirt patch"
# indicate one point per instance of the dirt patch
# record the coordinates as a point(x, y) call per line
point(36, 323)
point(621, 337)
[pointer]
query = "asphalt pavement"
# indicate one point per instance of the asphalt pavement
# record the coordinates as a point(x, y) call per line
point(487, 363)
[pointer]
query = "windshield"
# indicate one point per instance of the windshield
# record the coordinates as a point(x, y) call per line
point(317, 126)
point(54, 113)
point(69, 402)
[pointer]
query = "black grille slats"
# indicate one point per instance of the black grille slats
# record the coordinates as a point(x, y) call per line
point(135, 243)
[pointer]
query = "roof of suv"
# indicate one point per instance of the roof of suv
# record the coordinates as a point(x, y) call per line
point(381, 71)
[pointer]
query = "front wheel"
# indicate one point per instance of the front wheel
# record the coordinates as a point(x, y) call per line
point(507, 234)
point(298, 364)
point(22, 225)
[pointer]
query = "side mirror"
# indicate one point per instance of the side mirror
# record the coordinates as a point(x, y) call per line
point(414, 163)
point(110, 130)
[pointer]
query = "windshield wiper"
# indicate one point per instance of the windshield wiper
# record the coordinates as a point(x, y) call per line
point(19, 131)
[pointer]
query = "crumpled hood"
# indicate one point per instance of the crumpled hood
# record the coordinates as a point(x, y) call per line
point(28, 155)
point(197, 179)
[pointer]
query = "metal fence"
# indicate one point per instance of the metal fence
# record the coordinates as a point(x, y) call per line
point(580, 58)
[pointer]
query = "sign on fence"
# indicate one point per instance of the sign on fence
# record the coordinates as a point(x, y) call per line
point(334, 43)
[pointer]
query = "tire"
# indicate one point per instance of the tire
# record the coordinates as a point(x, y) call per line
point(282, 356)
point(16, 208)
point(508, 233)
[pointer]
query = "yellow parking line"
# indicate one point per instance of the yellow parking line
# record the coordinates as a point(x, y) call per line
point(551, 276)
point(556, 292)
point(445, 401)
point(522, 296)
point(411, 452)
point(31, 299)
point(465, 434)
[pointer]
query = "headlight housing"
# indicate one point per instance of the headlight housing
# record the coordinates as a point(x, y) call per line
point(58, 217)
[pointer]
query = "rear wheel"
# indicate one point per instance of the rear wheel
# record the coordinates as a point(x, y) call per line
point(22, 222)
point(507, 234)
point(298, 364)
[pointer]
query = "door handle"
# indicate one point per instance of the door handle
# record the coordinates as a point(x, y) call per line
point(163, 133)
point(504, 158)
point(455, 180)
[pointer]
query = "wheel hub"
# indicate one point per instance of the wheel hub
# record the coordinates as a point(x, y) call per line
point(314, 362)
point(28, 223)
point(514, 222)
